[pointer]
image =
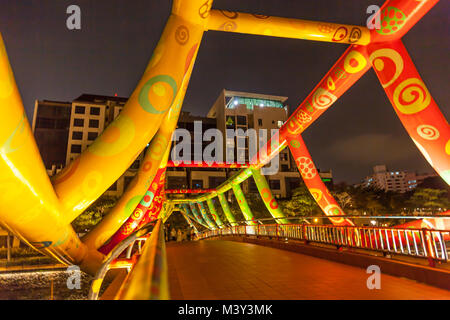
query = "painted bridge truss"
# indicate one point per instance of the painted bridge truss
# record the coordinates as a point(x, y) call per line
point(39, 210)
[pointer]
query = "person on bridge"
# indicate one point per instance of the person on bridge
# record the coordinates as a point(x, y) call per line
point(173, 234)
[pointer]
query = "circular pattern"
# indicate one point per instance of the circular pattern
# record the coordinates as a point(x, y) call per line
point(147, 166)
point(428, 132)
point(228, 26)
point(273, 204)
point(182, 35)
point(377, 61)
point(316, 193)
point(340, 34)
point(392, 20)
point(138, 214)
point(306, 167)
point(158, 147)
point(115, 139)
point(91, 182)
point(266, 194)
point(323, 99)
point(355, 35)
point(354, 62)
point(330, 84)
point(411, 96)
point(333, 210)
point(154, 97)
point(147, 199)
point(295, 144)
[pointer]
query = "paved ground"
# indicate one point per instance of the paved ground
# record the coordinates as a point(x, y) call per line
point(211, 269)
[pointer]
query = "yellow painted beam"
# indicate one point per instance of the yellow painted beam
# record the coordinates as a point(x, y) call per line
point(263, 25)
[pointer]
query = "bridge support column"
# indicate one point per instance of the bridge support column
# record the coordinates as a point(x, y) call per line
point(226, 209)
point(205, 216)
point(188, 220)
point(243, 204)
point(313, 181)
point(268, 198)
point(214, 214)
point(413, 103)
point(197, 214)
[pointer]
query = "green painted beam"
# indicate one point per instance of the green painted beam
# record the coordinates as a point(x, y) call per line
point(267, 196)
point(226, 209)
point(214, 214)
point(205, 216)
point(243, 204)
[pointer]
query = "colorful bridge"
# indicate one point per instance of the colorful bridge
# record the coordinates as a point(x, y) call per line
point(39, 210)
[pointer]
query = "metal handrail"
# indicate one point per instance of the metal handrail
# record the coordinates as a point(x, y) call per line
point(114, 254)
point(422, 243)
point(148, 279)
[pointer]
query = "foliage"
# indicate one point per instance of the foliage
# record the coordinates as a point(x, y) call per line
point(432, 199)
point(89, 218)
point(301, 203)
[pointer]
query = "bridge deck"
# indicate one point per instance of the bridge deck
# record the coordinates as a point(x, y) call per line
point(230, 270)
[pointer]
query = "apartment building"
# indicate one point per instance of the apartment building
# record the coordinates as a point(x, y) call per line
point(75, 125)
point(63, 130)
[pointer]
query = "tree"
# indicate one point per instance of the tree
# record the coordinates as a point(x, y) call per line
point(301, 203)
point(432, 199)
point(94, 214)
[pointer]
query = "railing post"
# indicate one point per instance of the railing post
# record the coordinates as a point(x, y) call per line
point(427, 238)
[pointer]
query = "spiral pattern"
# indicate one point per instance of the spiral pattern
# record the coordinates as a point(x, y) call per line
point(228, 26)
point(428, 132)
point(323, 99)
point(182, 35)
point(411, 96)
point(355, 35)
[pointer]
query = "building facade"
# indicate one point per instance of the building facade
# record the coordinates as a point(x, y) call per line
point(75, 125)
point(51, 125)
point(63, 130)
point(234, 110)
point(395, 181)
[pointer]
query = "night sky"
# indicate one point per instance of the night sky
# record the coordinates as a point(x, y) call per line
point(110, 52)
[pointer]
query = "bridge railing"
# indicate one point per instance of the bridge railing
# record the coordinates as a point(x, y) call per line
point(422, 243)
